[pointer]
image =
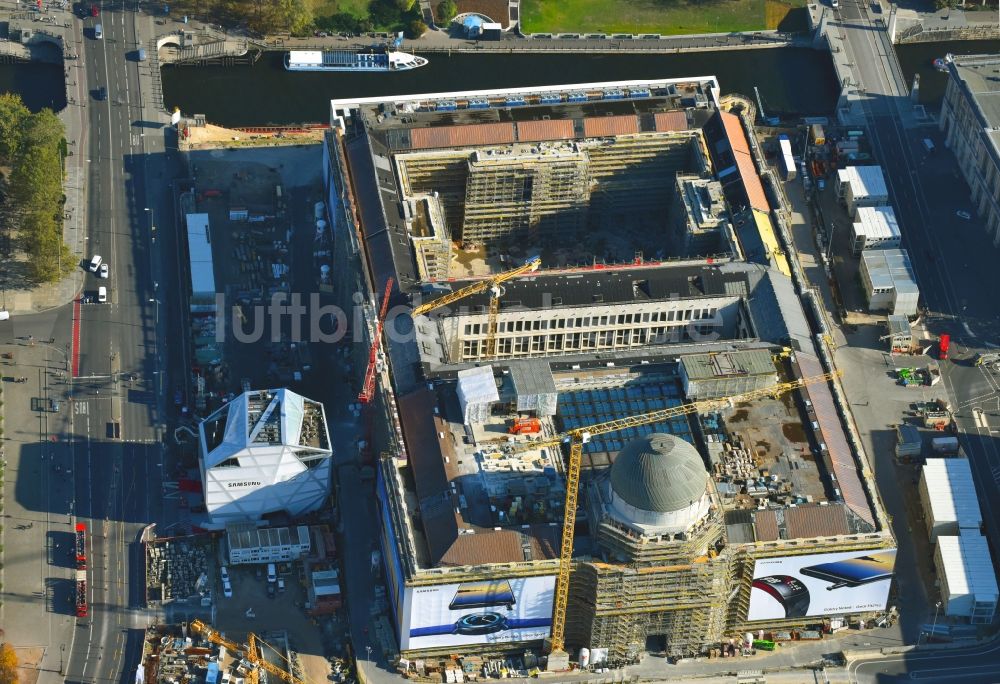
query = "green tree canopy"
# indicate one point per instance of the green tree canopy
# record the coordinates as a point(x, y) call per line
point(446, 11)
point(13, 114)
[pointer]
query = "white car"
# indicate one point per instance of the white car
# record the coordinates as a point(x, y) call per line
point(95, 263)
point(227, 589)
point(102, 294)
point(963, 214)
point(224, 573)
point(104, 270)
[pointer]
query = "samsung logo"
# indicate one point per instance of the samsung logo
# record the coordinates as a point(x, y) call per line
point(248, 483)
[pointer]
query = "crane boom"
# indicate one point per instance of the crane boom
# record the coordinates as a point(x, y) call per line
point(368, 386)
point(249, 650)
point(479, 287)
point(579, 436)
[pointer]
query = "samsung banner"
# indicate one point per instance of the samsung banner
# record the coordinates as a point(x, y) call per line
point(504, 611)
point(821, 584)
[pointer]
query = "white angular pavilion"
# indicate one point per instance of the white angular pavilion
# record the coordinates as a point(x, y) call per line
point(263, 452)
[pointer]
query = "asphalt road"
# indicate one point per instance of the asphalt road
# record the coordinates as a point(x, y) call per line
point(955, 265)
point(117, 476)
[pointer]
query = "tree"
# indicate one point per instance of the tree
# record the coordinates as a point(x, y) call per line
point(8, 664)
point(13, 114)
point(415, 29)
point(405, 5)
point(296, 15)
point(446, 11)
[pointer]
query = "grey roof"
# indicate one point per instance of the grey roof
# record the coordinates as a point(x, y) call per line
point(726, 364)
point(659, 473)
point(532, 377)
point(890, 268)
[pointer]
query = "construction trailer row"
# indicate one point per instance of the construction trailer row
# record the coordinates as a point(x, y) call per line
point(968, 583)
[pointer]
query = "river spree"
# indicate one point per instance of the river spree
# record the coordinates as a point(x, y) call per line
point(791, 80)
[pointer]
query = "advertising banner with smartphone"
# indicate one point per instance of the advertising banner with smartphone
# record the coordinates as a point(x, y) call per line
point(821, 584)
point(497, 611)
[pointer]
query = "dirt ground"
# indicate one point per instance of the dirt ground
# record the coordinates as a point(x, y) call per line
point(209, 136)
point(29, 658)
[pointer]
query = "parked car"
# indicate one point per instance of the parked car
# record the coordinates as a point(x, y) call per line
point(104, 270)
point(102, 294)
point(94, 10)
point(270, 590)
point(224, 573)
point(95, 263)
point(227, 589)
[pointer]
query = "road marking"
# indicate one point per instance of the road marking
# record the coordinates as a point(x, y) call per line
point(76, 337)
point(81, 408)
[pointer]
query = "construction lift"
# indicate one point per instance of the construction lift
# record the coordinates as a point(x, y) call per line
point(495, 287)
point(250, 653)
point(580, 436)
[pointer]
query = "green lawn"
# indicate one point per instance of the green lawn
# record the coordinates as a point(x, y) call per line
point(327, 8)
point(667, 17)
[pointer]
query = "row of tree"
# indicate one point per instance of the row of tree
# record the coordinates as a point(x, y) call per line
point(33, 148)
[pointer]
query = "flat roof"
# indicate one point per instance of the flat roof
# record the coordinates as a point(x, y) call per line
point(728, 364)
point(866, 181)
point(981, 74)
point(877, 223)
point(660, 83)
point(199, 236)
point(968, 567)
point(951, 492)
point(890, 268)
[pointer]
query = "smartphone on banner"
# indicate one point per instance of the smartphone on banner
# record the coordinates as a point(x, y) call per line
point(853, 572)
point(483, 595)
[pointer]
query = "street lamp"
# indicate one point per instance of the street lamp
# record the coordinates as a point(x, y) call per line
point(937, 607)
point(368, 649)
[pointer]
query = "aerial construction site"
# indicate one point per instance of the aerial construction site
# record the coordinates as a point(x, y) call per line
point(606, 417)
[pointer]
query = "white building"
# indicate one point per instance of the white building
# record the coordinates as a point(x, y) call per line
point(862, 186)
point(251, 544)
point(968, 582)
point(889, 281)
point(876, 227)
point(265, 451)
point(948, 496)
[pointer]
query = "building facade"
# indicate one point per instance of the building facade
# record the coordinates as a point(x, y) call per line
point(970, 120)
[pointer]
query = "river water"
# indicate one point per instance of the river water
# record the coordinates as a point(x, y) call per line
point(791, 80)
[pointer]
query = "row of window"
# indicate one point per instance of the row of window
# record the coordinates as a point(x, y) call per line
point(663, 316)
point(587, 341)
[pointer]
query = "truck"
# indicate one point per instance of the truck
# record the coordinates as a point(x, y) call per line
point(945, 446)
point(525, 426)
point(787, 161)
point(81, 594)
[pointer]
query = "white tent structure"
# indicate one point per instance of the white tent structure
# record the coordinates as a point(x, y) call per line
point(263, 452)
point(477, 392)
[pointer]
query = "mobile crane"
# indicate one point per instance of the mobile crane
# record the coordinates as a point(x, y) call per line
point(496, 290)
point(577, 437)
point(250, 653)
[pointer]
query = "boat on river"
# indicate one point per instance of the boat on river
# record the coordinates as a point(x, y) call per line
point(373, 59)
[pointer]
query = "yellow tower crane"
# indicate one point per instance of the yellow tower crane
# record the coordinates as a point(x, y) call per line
point(495, 287)
point(580, 436)
point(249, 651)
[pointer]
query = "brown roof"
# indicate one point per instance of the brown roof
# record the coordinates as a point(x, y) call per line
point(416, 411)
point(531, 131)
point(671, 121)
point(599, 126)
point(806, 522)
point(766, 525)
point(751, 183)
point(496, 10)
point(502, 546)
point(845, 468)
point(734, 131)
point(454, 136)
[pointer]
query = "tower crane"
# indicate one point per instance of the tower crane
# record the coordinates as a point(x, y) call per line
point(249, 651)
point(577, 437)
point(496, 290)
point(368, 387)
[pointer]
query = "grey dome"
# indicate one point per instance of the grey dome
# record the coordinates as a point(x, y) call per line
point(659, 473)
